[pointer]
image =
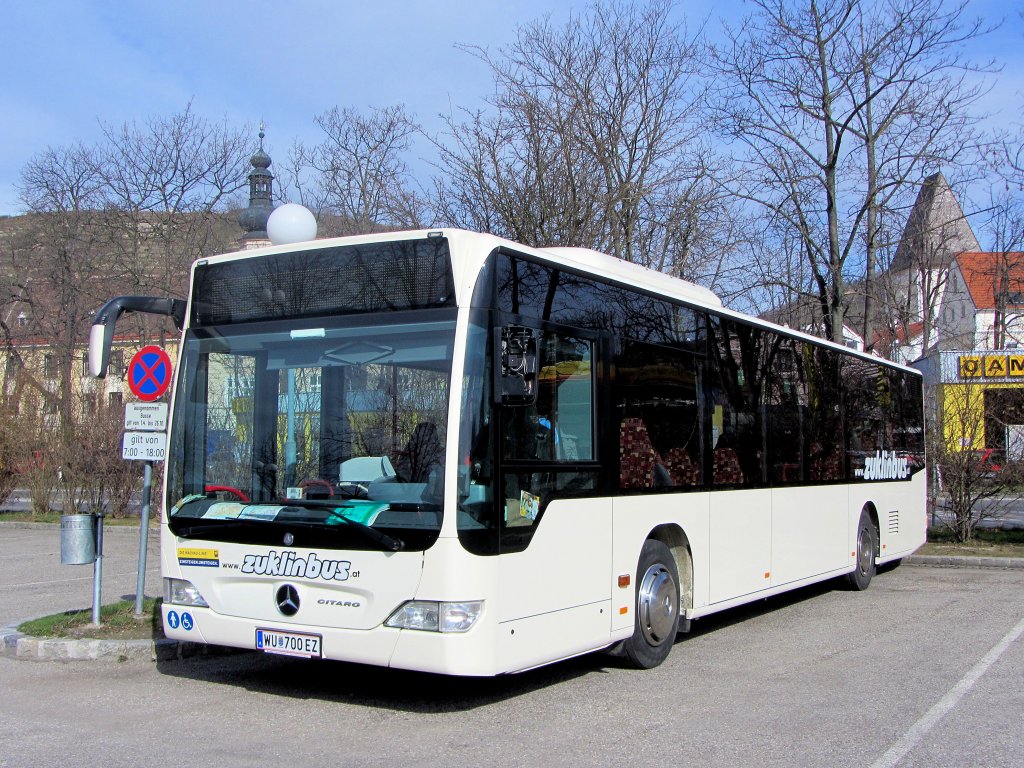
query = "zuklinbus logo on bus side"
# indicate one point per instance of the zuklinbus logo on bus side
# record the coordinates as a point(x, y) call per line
point(886, 465)
point(292, 566)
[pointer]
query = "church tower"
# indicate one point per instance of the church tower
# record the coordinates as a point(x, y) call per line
point(253, 219)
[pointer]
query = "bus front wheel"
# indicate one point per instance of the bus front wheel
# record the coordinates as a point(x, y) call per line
point(867, 546)
point(656, 619)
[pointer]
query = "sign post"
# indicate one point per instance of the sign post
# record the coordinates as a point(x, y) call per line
point(149, 376)
point(97, 569)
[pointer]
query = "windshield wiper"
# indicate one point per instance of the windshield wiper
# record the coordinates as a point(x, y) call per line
point(388, 542)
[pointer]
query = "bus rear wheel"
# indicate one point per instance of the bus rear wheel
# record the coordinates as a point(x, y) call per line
point(867, 547)
point(656, 619)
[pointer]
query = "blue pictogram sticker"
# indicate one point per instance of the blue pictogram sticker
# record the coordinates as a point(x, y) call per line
point(172, 619)
point(186, 621)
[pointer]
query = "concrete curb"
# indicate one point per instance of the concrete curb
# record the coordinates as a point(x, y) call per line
point(14, 644)
point(951, 561)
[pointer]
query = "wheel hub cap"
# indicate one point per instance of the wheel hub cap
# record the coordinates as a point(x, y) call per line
point(865, 551)
point(658, 604)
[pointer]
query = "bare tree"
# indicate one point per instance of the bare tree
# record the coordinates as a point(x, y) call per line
point(125, 216)
point(593, 139)
point(916, 95)
point(1006, 227)
point(164, 181)
point(356, 179)
point(8, 452)
point(842, 105)
point(57, 260)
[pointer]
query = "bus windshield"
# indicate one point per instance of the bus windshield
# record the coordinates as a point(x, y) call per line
point(333, 428)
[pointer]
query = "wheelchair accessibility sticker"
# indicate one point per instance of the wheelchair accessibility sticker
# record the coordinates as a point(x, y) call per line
point(184, 621)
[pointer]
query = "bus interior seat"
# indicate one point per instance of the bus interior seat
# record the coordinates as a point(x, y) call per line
point(637, 455)
point(727, 469)
point(681, 467)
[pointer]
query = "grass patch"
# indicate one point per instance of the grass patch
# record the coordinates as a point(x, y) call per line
point(30, 517)
point(117, 622)
point(1007, 542)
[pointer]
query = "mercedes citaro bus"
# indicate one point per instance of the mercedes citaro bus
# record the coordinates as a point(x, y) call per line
point(444, 451)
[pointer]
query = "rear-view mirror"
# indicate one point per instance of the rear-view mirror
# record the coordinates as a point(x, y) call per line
point(516, 364)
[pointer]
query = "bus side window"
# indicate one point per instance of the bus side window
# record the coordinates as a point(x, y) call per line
point(655, 391)
point(546, 441)
point(785, 397)
point(737, 373)
point(559, 424)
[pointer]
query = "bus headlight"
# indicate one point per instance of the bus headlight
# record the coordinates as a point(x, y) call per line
point(431, 616)
point(181, 592)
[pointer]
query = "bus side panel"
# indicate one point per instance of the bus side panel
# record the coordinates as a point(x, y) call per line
point(566, 567)
point(536, 640)
point(810, 531)
point(741, 543)
point(634, 519)
point(902, 515)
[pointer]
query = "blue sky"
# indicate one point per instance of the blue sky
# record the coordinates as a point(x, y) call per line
point(67, 65)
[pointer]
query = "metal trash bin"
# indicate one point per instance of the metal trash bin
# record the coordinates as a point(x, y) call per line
point(77, 539)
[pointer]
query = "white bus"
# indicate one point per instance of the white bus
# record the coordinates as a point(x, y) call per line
point(444, 451)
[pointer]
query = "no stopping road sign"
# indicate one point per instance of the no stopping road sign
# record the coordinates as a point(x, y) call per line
point(149, 373)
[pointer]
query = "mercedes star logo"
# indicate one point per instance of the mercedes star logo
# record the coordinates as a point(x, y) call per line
point(288, 600)
point(289, 539)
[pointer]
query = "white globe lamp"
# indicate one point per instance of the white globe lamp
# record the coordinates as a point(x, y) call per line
point(291, 223)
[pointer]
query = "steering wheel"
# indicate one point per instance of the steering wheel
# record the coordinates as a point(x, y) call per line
point(353, 490)
point(227, 489)
point(318, 483)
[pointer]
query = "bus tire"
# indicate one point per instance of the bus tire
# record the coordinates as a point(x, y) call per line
point(656, 610)
point(867, 548)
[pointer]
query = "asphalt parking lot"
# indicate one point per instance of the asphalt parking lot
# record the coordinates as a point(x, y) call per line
point(926, 668)
point(33, 582)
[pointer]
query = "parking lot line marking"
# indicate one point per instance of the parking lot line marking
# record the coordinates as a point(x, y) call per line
point(930, 719)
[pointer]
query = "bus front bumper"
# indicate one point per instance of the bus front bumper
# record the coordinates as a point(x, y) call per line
point(468, 654)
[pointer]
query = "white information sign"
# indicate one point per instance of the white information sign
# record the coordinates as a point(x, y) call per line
point(144, 446)
point(146, 416)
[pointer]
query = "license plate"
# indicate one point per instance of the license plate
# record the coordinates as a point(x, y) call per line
point(289, 643)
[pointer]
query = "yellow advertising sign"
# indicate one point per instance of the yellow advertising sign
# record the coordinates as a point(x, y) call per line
point(995, 366)
point(1016, 366)
point(970, 366)
point(991, 366)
